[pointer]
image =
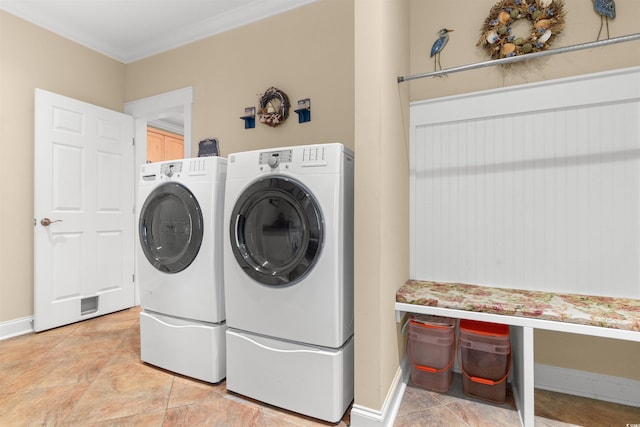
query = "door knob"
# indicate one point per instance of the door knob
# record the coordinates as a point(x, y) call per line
point(46, 221)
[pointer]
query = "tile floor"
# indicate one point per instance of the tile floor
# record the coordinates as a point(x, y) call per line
point(424, 408)
point(90, 374)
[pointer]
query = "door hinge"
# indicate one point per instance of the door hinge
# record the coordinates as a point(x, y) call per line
point(133, 278)
point(133, 142)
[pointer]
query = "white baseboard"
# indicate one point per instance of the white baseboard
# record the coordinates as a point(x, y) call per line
point(362, 416)
point(587, 384)
point(13, 328)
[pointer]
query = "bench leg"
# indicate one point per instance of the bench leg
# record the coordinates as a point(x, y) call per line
point(523, 373)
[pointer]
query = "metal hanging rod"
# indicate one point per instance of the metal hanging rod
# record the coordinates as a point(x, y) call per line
point(521, 58)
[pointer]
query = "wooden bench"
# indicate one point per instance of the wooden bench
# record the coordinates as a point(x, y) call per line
point(524, 311)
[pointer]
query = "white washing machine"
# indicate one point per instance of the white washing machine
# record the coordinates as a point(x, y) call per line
point(288, 270)
point(180, 267)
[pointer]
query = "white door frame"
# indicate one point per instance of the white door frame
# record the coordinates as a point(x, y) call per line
point(153, 108)
point(158, 107)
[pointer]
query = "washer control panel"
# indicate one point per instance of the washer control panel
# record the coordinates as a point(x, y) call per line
point(274, 158)
point(169, 169)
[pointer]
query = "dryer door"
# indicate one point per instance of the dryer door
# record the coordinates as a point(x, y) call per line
point(276, 231)
point(171, 227)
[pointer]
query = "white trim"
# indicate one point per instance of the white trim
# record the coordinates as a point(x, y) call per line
point(166, 126)
point(139, 46)
point(152, 108)
point(246, 14)
point(473, 105)
point(16, 327)
point(157, 104)
point(158, 107)
point(361, 416)
point(588, 384)
point(528, 322)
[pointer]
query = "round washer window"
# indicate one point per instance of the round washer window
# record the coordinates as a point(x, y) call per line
point(276, 231)
point(171, 227)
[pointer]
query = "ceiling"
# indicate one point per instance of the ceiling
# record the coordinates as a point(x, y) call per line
point(129, 30)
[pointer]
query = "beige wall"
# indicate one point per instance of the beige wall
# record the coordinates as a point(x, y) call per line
point(467, 18)
point(30, 58)
point(307, 53)
point(604, 356)
point(382, 192)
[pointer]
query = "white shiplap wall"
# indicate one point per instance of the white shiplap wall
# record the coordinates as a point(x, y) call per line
point(531, 187)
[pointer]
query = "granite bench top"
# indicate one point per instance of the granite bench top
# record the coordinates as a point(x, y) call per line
point(607, 312)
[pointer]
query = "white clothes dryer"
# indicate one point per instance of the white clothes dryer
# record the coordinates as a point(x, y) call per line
point(180, 267)
point(288, 258)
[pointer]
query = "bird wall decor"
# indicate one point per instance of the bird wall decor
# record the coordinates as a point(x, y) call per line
point(607, 10)
point(438, 45)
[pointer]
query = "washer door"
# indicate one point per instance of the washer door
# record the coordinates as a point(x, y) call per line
point(171, 227)
point(276, 231)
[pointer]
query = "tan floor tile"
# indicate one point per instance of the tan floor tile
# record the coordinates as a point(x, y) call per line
point(40, 407)
point(117, 397)
point(128, 363)
point(10, 371)
point(186, 391)
point(583, 411)
point(27, 347)
point(122, 320)
point(285, 420)
point(281, 422)
point(216, 412)
point(62, 371)
point(416, 399)
point(61, 330)
point(484, 415)
point(275, 416)
point(142, 420)
point(281, 417)
point(433, 417)
point(130, 342)
point(545, 422)
point(88, 343)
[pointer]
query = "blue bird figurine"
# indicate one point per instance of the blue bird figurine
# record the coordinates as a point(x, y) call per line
point(438, 45)
point(607, 10)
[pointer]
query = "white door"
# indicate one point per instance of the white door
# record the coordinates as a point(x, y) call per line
point(84, 211)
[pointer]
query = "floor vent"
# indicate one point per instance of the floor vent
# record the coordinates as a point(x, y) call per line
point(88, 305)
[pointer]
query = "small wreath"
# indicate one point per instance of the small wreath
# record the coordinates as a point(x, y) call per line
point(545, 16)
point(274, 107)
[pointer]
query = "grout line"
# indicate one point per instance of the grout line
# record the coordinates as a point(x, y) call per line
point(166, 406)
point(455, 414)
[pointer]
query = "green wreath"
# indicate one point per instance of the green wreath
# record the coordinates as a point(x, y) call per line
point(546, 18)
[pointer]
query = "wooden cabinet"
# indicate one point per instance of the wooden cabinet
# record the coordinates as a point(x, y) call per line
point(163, 145)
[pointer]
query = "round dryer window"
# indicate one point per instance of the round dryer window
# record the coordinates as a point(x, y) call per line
point(276, 231)
point(171, 227)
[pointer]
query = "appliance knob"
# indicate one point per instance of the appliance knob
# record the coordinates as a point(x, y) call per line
point(273, 162)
